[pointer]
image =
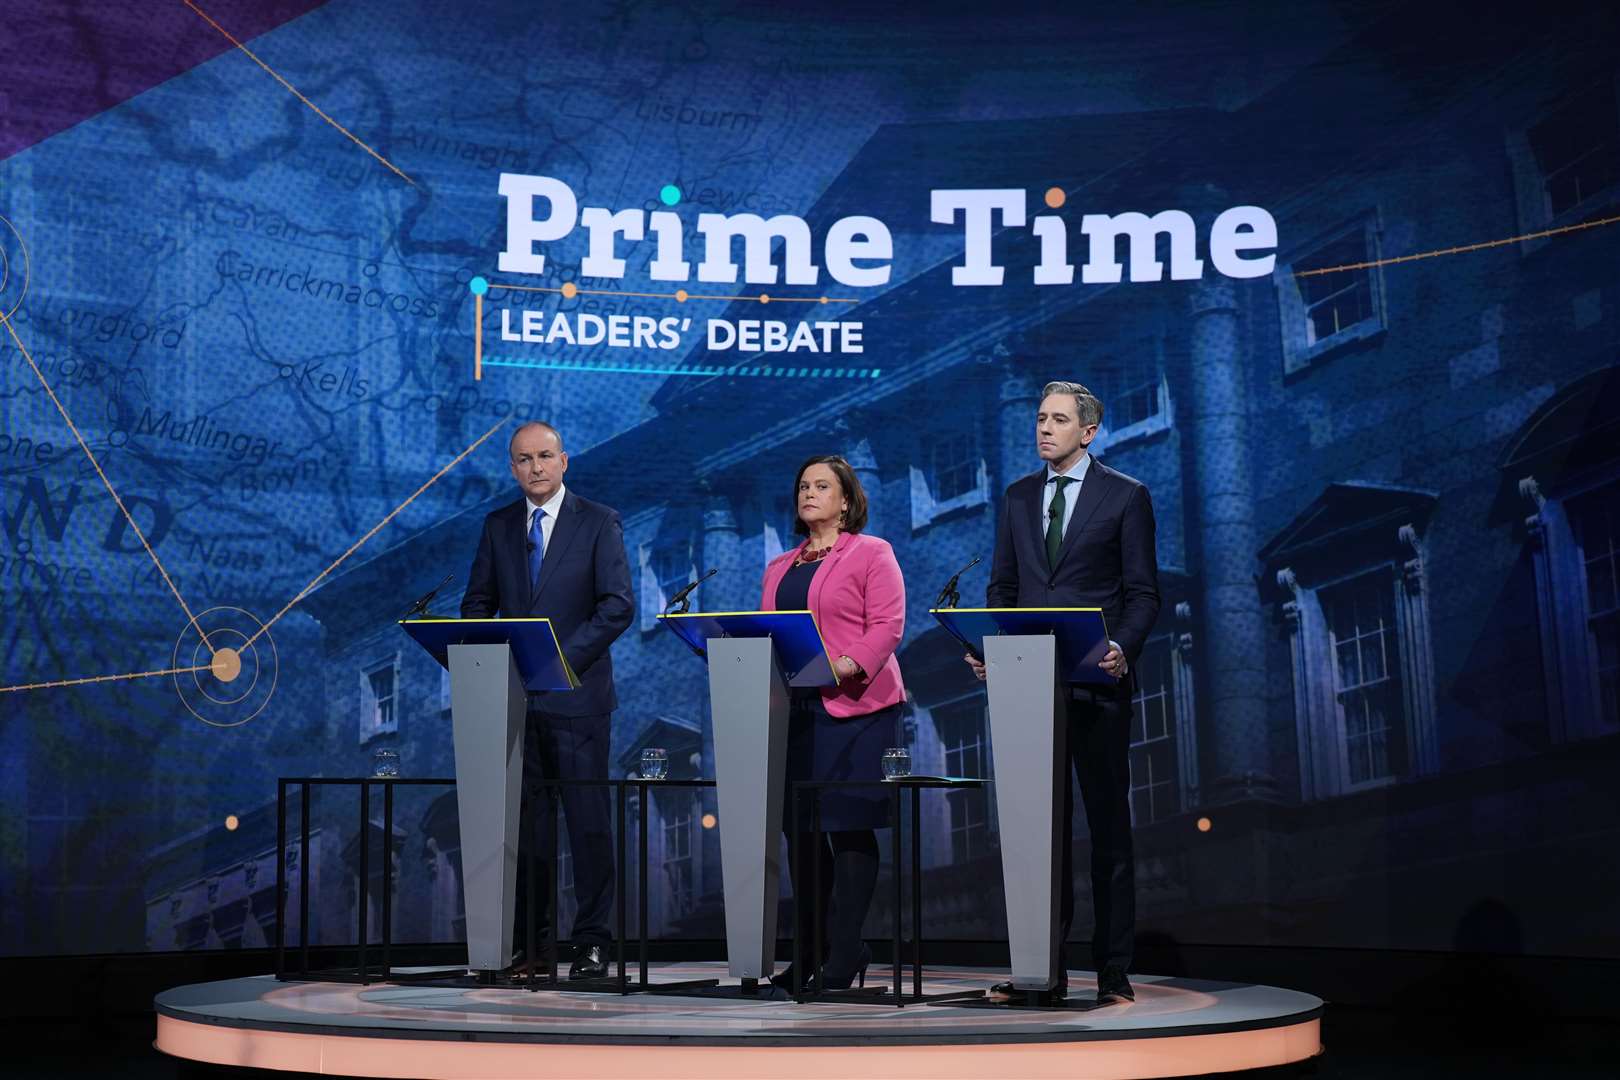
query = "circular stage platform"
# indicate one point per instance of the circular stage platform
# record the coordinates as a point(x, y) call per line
point(1176, 1027)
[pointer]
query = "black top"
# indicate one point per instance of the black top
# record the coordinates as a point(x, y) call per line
point(793, 591)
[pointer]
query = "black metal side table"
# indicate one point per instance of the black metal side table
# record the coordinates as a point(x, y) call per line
point(916, 785)
point(363, 971)
point(366, 973)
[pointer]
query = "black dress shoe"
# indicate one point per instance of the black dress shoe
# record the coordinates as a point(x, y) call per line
point(1055, 996)
point(590, 962)
point(518, 971)
point(1113, 988)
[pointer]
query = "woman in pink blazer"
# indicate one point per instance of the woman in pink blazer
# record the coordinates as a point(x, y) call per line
point(852, 584)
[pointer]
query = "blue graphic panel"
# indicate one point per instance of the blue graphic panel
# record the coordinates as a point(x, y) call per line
point(257, 377)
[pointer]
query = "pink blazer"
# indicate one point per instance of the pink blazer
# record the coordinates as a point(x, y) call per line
point(859, 600)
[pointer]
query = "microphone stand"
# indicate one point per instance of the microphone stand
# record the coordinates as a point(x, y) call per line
point(420, 607)
point(683, 598)
point(948, 596)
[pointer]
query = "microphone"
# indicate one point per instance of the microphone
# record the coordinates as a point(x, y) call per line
point(948, 596)
point(681, 597)
point(420, 607)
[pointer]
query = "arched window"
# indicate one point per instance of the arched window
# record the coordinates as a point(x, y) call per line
point(1351, 582)
point(1566, 467)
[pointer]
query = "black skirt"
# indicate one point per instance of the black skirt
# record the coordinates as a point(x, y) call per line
point(825, 747)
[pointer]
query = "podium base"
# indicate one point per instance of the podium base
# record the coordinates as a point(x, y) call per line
point(1177, 1027)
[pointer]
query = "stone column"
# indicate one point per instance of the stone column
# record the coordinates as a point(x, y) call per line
point(734, 588)
point(1235, 637)
point(1014, 455)
point(861, 460)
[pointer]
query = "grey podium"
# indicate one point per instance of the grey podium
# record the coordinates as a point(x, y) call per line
point(1030, 656)
point(493, 663)
point(753, 659)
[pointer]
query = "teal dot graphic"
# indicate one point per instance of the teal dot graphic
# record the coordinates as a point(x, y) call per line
point(478, 286)
point(669, 194)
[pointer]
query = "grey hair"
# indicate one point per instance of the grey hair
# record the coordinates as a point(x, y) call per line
point(539, 424)
point(1088, 409)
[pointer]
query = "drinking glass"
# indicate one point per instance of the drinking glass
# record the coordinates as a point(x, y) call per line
point(654, 763)
point(896, 762)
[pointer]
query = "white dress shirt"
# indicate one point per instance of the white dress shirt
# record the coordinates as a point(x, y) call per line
point(552, 507)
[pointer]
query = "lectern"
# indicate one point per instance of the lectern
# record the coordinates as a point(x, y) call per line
point(753, 658)
point(492, 663)
point(1031, 655)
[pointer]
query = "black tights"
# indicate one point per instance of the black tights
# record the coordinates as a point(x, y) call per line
point(849, 869)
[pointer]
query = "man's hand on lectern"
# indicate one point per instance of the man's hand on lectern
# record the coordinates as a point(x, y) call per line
point(976, 664)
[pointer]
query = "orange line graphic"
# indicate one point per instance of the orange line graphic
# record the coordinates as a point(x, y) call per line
point(99, 472)
point(571, 291)
point(1463, 249)
point(100, 679)
point(294, 91)
point(305, 591)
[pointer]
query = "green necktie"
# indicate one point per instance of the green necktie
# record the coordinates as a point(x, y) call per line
point(1054, 524)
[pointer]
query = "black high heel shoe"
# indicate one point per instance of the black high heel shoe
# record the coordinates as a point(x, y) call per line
point(856, 976)
point(783, 980)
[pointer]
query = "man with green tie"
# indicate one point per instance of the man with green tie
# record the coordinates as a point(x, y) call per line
point(1079, 534)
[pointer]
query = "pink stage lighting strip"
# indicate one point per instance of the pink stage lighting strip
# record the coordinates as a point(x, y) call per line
point(433, 1059)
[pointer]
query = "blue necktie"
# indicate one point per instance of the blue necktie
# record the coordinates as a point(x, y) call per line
point(537, 549)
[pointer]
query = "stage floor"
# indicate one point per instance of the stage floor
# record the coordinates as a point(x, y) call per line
point(1176, 1027)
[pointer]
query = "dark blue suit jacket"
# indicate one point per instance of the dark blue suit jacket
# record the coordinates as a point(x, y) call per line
point(584, 590)
point(1108, 558)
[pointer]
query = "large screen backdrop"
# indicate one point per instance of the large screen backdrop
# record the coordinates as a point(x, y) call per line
point(1379, 707)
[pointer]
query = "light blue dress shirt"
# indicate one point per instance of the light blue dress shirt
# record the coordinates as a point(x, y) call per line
point(1077, 473)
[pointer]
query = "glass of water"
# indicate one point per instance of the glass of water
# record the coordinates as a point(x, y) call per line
point(385, 763)
point(896, 762)
point(654, 763)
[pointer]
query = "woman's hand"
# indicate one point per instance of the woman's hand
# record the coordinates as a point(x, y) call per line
point(844, 668)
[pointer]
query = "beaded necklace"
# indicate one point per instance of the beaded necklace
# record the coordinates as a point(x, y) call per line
point(808, 554)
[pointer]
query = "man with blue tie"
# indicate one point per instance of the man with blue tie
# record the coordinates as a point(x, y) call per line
point(555, 555)
point(1076, 533)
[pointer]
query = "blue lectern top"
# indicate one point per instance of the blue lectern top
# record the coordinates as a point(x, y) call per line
point(1082, 636)
point(540, 660)
point(800, 650)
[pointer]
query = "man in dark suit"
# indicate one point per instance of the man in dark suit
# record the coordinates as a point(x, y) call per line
point(1079, 534)
point(554, 555)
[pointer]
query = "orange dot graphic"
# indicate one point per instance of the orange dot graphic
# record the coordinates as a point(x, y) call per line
point(709, 821)
point(226, 665)
point(764, 298)
point(1204, 824)
point(570, 290)
point(1055, 197)
point(231, 822)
